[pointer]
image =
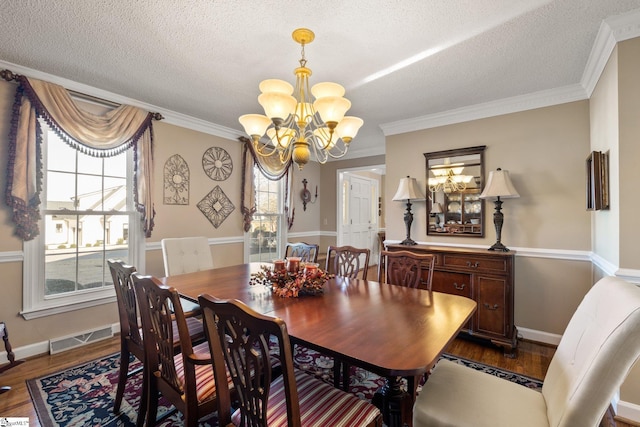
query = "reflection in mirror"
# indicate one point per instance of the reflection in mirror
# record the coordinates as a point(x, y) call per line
point(454, 182)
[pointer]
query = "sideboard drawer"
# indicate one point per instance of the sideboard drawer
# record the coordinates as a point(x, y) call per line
point(490, 264)
point(452, 283)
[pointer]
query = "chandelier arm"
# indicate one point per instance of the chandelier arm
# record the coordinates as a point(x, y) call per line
point(260, 148)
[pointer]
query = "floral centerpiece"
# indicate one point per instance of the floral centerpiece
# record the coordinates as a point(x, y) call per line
point(291, 284)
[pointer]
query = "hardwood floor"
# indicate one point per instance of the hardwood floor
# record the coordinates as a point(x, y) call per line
point(532, 359)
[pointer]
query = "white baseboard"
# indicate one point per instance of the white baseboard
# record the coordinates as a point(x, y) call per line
point(40, 348)
point(539, 336)
point(629, 411)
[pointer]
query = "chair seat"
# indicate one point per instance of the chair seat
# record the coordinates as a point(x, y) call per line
point(321, 405)
point(455, 395)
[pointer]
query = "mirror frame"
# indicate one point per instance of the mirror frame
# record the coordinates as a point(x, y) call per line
point(468, 151)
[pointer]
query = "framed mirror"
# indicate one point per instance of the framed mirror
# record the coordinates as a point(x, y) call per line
point(455, 179)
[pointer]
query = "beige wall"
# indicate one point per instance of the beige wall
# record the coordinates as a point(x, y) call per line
point(307, 221)
point(615, 107)
point(544, 150)
point(629, 154)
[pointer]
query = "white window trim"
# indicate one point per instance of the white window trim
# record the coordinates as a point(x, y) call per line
point(282, 226)
point(35, 305)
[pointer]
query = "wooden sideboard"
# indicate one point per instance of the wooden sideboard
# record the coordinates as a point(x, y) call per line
point(484, 276)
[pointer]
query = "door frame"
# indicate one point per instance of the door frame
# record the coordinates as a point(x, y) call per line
point(340, 175)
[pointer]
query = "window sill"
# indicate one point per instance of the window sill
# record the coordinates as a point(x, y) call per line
point(36, 313)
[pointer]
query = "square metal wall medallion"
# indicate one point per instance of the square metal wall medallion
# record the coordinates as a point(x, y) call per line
point(216, 206)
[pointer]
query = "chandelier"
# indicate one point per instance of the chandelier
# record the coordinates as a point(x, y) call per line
point(294, 123)
point(448, 178)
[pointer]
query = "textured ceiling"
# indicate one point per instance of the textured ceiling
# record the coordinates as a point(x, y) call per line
point(398, 59)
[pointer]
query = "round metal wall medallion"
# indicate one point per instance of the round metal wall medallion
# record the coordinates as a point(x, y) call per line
point(217, 163)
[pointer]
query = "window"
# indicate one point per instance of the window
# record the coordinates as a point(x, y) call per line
point(264, 239)
point(87, 217)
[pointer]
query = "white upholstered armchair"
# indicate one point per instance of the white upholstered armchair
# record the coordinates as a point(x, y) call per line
point(599, 347)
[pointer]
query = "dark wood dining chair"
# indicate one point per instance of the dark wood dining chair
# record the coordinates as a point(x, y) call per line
point(306, 252)
point(240, 337)
point(345, 261)
point(405, 268)
point(131, 337)
point(184, 378)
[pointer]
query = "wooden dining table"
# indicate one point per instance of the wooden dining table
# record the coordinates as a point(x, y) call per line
point(389, 330)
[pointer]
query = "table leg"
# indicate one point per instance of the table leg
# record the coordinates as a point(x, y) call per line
point(395, 403)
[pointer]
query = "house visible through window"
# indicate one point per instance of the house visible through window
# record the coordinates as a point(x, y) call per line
point(87, 213)
point(266, 234)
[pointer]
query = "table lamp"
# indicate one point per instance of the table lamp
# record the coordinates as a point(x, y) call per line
point(499, 186)
point(408, 190)
point(436, 209)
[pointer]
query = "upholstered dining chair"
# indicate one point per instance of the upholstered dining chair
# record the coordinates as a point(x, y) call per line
point(405, 268)
point(346, 261)
point(131, 336)
point(598, 348)
point(185, 255)
point(306, 252)
point(239, 337)
point(185, 379)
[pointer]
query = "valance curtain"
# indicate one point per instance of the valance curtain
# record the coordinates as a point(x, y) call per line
point(272, 168)
point(96, 135)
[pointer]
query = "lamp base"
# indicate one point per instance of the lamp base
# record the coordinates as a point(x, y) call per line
point(409, 242)
point(499, 247)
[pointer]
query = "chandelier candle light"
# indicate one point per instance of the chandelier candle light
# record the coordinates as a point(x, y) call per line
point(408, 190)
point(295, 123)
point(499, 185)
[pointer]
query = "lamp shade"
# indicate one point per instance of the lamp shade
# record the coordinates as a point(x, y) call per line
point(499, 185)
point(408, 190)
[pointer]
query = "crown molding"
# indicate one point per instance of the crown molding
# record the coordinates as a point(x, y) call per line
point(612, 31)
point(171, 117)
point(499, 107)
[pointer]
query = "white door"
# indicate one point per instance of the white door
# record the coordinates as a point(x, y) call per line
point(359, 221)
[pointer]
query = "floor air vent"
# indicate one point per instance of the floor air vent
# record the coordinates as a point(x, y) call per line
point(67, 343)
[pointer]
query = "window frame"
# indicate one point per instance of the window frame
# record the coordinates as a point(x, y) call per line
point(280, 217)
point(35, 303)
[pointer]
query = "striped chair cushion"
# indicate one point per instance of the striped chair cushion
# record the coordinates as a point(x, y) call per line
point(321, 405)
point(196, 331)
point(205, 383)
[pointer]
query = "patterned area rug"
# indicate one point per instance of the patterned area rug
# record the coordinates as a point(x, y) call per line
point(84, 395)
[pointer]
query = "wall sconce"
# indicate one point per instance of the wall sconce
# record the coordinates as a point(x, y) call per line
point(499, 185)
point(306, 195)
point(408, 190)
